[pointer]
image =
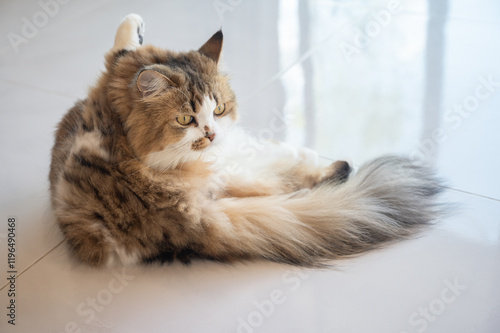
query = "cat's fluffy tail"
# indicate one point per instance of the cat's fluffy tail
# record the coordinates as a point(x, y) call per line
point(387, 200)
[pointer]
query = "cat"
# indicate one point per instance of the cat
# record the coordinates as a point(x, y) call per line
point(149, 168)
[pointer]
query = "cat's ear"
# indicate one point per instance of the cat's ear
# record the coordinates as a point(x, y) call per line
point(213, 47)
point(150, 82)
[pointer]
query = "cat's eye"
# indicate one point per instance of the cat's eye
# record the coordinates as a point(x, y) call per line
point(220, 109)
point(185, 120)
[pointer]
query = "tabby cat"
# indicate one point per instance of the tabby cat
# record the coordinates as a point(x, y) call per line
point(149, 167)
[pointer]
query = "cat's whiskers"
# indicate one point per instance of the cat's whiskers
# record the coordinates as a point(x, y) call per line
point(182, 92)
point(173, 149)
point(150, 165)
point(180, 108)
point(176, 150)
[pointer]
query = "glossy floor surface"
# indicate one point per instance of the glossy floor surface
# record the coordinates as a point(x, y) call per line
point(351, 79)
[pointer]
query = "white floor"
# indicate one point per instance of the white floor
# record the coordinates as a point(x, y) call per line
point(424, 82)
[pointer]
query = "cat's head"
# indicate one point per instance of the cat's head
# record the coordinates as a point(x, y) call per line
point(179, 105)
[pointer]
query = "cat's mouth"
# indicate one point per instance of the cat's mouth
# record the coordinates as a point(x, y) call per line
point(201, 143)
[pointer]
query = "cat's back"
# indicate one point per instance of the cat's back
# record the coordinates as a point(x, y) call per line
point(65, 135)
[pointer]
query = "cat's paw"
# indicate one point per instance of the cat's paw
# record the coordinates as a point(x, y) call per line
point(337, 172)
point(130, 33)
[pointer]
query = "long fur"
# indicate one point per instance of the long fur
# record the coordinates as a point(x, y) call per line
point(389, 199)
point(129, 183)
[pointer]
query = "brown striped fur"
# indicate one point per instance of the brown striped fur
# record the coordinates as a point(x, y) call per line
point(111, 204)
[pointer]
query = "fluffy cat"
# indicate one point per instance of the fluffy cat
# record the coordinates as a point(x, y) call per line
point(149, 167)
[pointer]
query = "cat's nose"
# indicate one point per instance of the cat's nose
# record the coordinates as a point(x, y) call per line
point(210, 136)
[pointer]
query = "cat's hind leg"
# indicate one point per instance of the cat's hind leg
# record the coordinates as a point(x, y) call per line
point(308, 172)
point(129, 35)
point(337, 172)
